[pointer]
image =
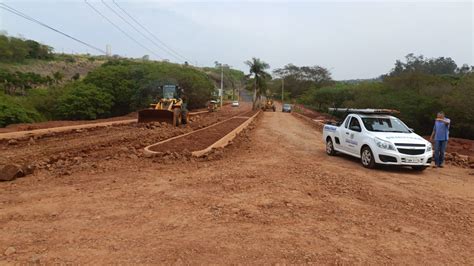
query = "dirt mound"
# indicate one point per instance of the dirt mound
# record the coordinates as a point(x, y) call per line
point(457, 159)
point(461, 146)
point(315, 124)
point(312, 114)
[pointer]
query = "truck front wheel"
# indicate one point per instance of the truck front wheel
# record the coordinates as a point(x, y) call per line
point(330, 147)
point(367, 158)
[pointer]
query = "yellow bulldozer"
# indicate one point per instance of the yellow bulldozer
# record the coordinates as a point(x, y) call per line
point(170, 108)
point(269, 105)
point(212, 106)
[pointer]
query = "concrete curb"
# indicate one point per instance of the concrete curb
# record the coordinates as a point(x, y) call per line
point(220, 142)
point(224, 141)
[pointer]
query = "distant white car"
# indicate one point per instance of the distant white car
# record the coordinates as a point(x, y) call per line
point(235, 104)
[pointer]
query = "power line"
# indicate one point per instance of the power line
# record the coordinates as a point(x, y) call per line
point(135, 28)
point(27, 17)
point(149, 32)
point(120, 29)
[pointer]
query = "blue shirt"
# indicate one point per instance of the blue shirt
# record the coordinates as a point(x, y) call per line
point(441, 130)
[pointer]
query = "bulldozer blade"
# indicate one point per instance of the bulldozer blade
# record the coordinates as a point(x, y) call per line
point(151, 115)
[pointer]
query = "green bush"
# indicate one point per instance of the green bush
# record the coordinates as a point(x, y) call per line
point(18, 83)
point(83, 102)
point(12, 112)
point(16, 49)
point(44, 100)
point(135, 85)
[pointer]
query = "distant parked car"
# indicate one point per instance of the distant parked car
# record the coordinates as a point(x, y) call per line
point(286, 108)
point(235, 104)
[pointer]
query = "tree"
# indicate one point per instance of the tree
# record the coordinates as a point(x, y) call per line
point(84, 102)
point(464, 69)
point(257, 69)
point(16, 49)
point(299, 79)
point(38, 51)
point(135, 85)
point(420, 64)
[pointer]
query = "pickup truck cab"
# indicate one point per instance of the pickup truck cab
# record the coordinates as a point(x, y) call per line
point(378, 138)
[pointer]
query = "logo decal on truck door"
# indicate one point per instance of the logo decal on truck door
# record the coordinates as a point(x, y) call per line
point(350, 141)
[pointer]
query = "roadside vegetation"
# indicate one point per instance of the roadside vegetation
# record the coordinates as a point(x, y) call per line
point(100, 88)
point(116, 88)
point(17, 50)
point(38, 85)
point(417, 86)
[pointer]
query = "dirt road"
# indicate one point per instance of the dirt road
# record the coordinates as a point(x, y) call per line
point(272, 197)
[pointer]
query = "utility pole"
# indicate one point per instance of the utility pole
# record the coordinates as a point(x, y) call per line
point(282, 89)
point(222, 84)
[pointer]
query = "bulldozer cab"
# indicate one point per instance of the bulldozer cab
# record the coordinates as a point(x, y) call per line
point(170, 92)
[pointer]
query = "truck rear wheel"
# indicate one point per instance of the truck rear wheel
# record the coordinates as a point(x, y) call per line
point(330, 147)
point(367, 158)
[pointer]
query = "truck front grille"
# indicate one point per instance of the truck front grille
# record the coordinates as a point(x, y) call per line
point(411, 151)
point(409, 145)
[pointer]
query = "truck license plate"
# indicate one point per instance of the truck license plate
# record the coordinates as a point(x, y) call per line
point(413, 160)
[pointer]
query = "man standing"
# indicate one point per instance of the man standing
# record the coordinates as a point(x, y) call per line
point(440, 137)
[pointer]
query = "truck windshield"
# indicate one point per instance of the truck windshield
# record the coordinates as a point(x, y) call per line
point(384, 124)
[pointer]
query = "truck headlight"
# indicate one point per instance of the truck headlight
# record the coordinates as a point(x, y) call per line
point(429, 147)
point(384, 144)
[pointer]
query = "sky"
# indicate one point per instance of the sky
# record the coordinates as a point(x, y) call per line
point(353, 39)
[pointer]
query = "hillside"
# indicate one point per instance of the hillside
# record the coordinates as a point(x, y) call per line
point(68, 65)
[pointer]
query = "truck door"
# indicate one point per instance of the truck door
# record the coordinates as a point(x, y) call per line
point(345, 133)
point(353, 136)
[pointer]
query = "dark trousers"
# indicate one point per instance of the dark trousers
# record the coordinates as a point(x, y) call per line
point(439, 150)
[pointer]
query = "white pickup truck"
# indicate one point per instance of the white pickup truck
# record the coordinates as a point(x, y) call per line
point(376, 137)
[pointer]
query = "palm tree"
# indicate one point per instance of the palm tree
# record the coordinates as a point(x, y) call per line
point(257, 69)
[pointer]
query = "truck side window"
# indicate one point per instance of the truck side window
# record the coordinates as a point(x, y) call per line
point(355, 125)
point(346, 124)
